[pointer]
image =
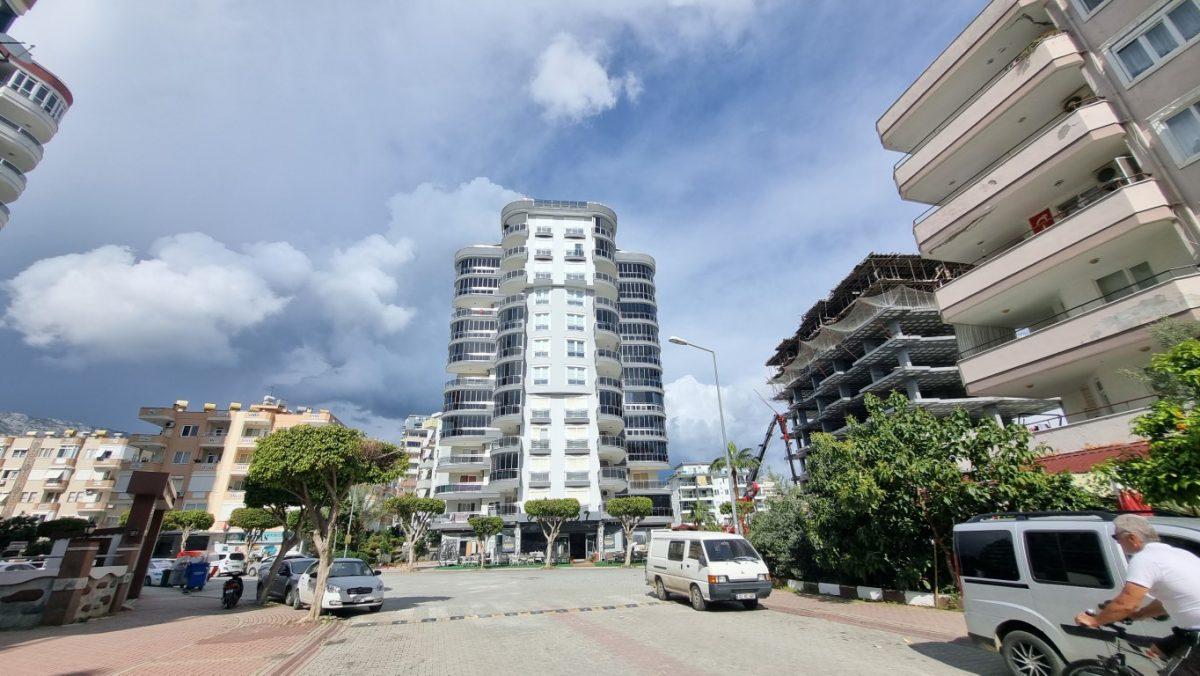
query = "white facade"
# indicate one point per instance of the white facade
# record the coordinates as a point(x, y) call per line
point(693, 482)
point(539, 345)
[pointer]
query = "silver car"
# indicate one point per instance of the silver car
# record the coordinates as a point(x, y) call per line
point(283, 585)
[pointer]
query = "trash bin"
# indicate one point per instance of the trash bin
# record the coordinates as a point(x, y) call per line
point(197, 575)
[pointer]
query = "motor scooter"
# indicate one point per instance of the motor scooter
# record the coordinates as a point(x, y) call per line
point(231, 592)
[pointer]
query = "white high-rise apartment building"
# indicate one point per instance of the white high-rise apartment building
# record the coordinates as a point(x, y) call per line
point(557, 387)
point(1058, 142)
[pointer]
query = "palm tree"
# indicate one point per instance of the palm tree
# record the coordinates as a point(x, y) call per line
point(742, 460)
point(701, 513)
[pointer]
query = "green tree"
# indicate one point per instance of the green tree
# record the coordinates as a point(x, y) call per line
point(187, 521)
point(254, 521)
point(317, 466)
point(701, 514)
point(781, 534)
point(286, 509)
point(742, 461)
point(414, 515)
point(745, 508)
point(899, 481)
point(18, 529)
point(1169, 475)
point(552, 514)
point(631, 511)
point(486, 528)
point(58, 529)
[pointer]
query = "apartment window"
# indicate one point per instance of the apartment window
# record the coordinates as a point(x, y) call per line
point(71, 497)
point(177, 484)
point(68, 451)
point(574, 322)
point(189, 430)
point(182, 457)
point(1181, 132)
point(195, 505)
point(575, 297)
point(541, 321)
point(541, 296)
point(45, 452)
point(541, 347)
point(1089, 7)
point(575, 348)
point(1159, 39)
point(28, 497)
point(1125, 282)
point(9, 473)
point(541, 375)
point(1067, 557)
point(576, 375)
point(19, 453)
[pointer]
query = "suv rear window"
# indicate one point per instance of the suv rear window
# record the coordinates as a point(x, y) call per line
point(1067, 557)
point(986, 554)
point(1182, 543)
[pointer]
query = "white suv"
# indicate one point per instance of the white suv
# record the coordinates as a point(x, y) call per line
point(1026, 575)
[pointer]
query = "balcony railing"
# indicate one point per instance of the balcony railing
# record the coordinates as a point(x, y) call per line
point(576, 278)
point(469, 384)
point(514, 251)
point(576, 415)
point(1064, 419)
point(610, 411)
point(614, 473)
point(574, 233)
point(514, 228)
point(536, 445)
point(543, 231)
point(20, 130)
point(646, 485)
point(504, 474)
point(457, 488)
point(609, 440)
point(543, 254)
point(506, 445)
point(539, 479)
point(605, 381)
point(539, 415)
point(577, 478)
point(463, 460)
point(602, 231)
point(1072, 312)
point(648, 457)
point(643, 408)
point(503, 509)
point(606, 353)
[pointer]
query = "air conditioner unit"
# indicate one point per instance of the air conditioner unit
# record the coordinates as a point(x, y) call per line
point(170, 424)
point(1120, 167)
point(1073, 103)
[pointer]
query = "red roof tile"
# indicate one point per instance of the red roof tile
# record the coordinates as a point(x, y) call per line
point(1079, 462)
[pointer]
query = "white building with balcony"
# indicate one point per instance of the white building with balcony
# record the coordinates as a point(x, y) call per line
point(32, 103)
point(1057, 142)
point(693, 483)
point(557, 382)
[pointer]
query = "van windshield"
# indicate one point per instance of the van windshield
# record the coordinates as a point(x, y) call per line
point(730, 550)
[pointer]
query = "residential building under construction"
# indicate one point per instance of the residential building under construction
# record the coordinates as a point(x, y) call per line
point(877, 332)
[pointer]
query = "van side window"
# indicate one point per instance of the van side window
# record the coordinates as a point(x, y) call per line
point(1067, 557)
point(675, 550)
point(1182, 543)
point(987, 554)
point(695, 551)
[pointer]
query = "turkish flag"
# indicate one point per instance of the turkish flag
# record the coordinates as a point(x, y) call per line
point(1131, 501)
point(1041, 220)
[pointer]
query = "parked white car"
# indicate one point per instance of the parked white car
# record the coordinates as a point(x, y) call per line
point(158, 573)
point(1026, 575)
point(706, 567)
point(351, 584)
point(223, 561)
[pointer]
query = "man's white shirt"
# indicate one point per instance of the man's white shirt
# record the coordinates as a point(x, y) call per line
point(1172, 576)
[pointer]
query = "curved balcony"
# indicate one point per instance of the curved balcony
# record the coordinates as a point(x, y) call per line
point(469, 383)
point(607, 334)
point(148, 440)
point(610, 420)
point(511, 444)
point(12, 182)
point(611, 448)
point(475, 297)
point(467, 491)
point(470, 363)
point(514, 257)
point(605, 285)
point(509, 383)
point(463, 463)
point(509, 327)
point(510, 354)
point(507, 418)
point(614, 478)
point(505, 479)
point(608, 362)
point(24, 150)
point(607, 383)
point(642, 383)
point(17, 101)
point(649, 487)
point(469, 436)
point(652, 409)
point(513, 281)
point(514, 234)
point(508, 301)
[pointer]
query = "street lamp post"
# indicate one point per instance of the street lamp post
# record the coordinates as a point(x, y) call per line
point(733, 515)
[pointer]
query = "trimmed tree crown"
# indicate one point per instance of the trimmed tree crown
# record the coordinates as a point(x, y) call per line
point(188, 519)
point(486, 526)
point(253, 518)
point(405, 506)
point(633, 506)
point(553, 508)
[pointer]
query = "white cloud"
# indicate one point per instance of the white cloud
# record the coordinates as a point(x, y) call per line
point(571, 83)
point(187, 300)
point(694, 428)
point(359, 284)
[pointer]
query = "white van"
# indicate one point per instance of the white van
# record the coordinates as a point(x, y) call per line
point(706, 567)
point(1026, 575)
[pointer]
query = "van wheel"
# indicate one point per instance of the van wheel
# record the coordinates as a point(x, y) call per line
point(698, 602)
point(660, 591)
point(148, 582)
point(1028, 654)
point(750, 605)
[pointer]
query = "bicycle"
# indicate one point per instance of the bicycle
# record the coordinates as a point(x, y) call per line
point(1114, 664)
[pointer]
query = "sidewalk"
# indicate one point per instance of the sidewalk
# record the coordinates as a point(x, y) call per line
point(167, 633)
point(926, 623)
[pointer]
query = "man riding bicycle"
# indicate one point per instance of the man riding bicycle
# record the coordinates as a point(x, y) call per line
point(1168, 575)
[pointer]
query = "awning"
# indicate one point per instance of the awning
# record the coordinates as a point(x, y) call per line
point(52, 474)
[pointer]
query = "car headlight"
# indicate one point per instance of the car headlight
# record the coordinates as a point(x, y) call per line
point(717, 579)
point(764, 577)
point(333, 588)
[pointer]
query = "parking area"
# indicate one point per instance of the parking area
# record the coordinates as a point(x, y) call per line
point(604, 619)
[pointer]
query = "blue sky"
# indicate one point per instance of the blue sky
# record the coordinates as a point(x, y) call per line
point(263, 195)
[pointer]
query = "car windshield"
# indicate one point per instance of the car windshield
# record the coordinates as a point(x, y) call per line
point(237, 556)
point(730, 550)
point(349, 569)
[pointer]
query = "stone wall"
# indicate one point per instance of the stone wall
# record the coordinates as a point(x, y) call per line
point(23, 596)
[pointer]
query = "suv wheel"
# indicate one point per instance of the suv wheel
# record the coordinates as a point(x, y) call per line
point(293, 599)
point(698, 602)
point(1030, 655)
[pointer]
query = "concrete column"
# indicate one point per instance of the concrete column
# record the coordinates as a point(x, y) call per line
point(877, 372)
point(845, 390)
point(517, 539)
point(138, 544)
point(893, 327)
point(992, 411)
point(912, 389)
point(600, 540)
point(63, 605)
point(903, 358)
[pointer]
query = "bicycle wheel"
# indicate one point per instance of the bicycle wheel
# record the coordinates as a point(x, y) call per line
point(1098, 668)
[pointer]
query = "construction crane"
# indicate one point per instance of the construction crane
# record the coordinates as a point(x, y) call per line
point(778, 420)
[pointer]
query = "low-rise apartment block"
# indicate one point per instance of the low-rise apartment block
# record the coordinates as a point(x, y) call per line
point(1058, 144)
point(59, 475)
point(697, 482)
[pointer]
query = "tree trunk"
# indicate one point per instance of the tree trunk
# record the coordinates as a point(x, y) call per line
point(550, 538)
point(482, 552)
point(285, 546)
point(325, 559)
point(184, 534)
point(628, 528)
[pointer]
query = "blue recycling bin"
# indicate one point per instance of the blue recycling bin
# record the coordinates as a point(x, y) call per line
point(197, 575)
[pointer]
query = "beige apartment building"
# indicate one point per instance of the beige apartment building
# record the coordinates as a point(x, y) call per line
point(59, 475)
point(1058, 144)
point(421, 440)
point(207, 452)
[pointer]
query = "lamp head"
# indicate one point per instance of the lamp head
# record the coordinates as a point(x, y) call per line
point(677, 340)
